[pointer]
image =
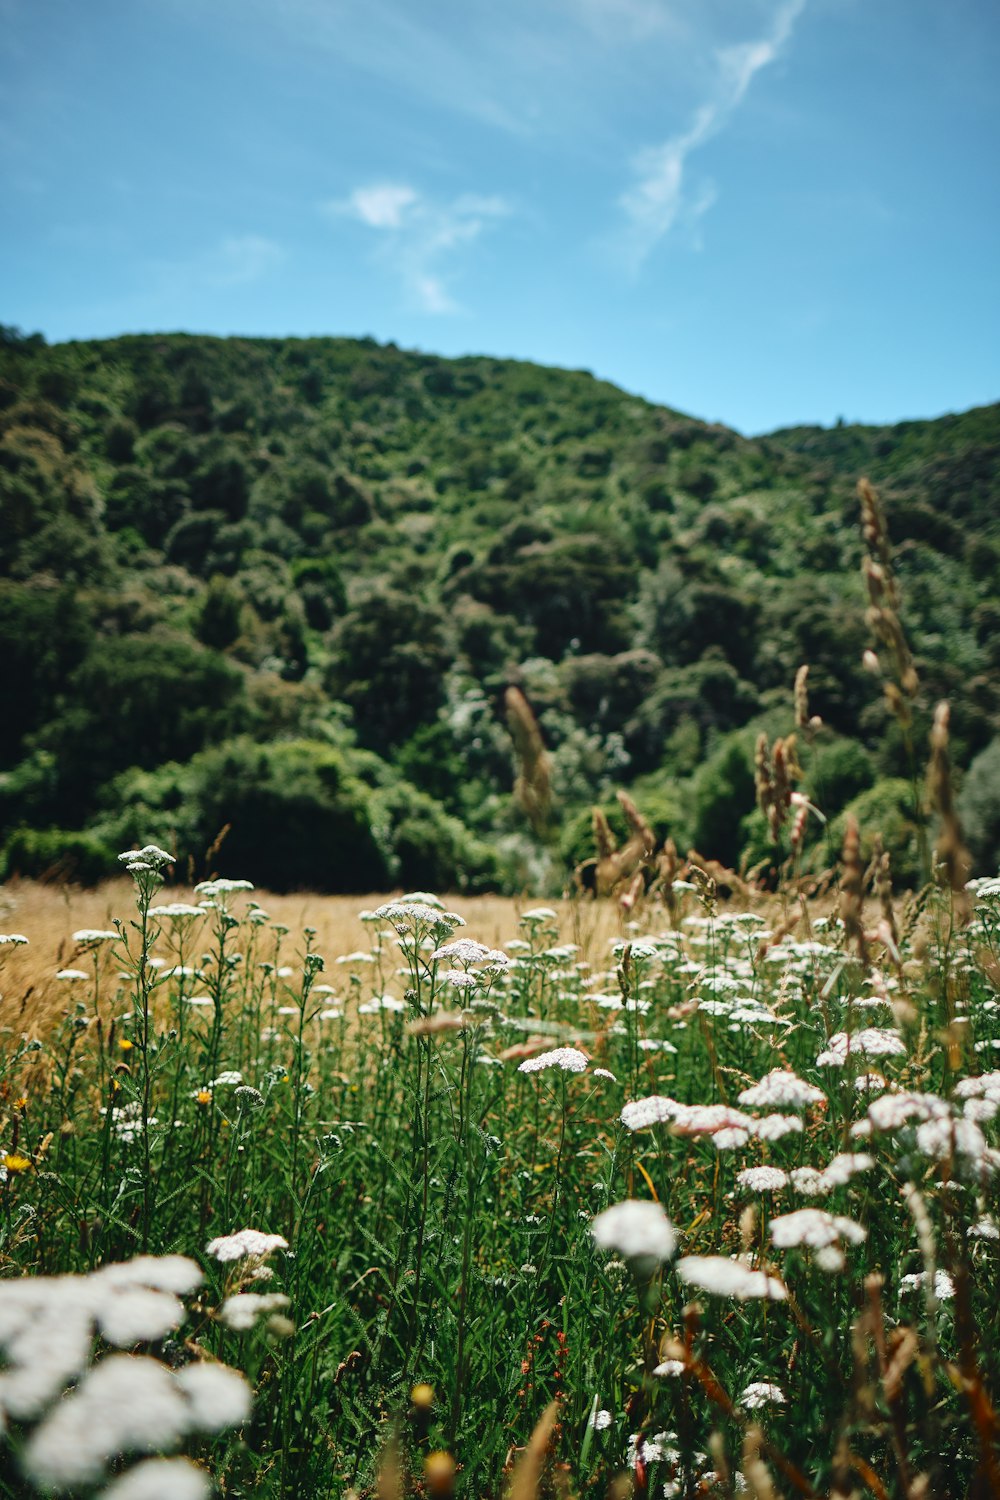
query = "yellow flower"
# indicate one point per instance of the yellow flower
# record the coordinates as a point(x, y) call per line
point(125, 1044)
point(422, 1394)
point(203, 1097)
point(14, 1162)
point(439, 1472)
point(21, 1103)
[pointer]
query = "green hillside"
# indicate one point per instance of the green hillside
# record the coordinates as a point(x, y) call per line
point(260, 600)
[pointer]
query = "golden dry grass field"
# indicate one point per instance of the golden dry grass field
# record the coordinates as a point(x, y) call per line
point(31, 997)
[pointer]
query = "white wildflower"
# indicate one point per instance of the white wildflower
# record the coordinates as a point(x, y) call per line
point(943, 1138)
point(987, 1085)
point(669, 1368)
point(603, 1073)
point(569, 1059)
point(781, 1087)
point(458, 979)
point(600, 1420)
point(12, 940)
point(761, 1393)
point(722, 1277)
point(406, 914)
point(870, 1041)
point(245, 1243)
point(125, 1404)
point(944, 1286)
point(774, 1127)
point(95, 935)
point(138, 1314)
point(210, 889)
point(638, 1230)
point(244, 1310)
point(464, 950)
point(641, 1113)
point(814, 1227)
point(807, 1180)
point(149, 858)
point(762, 1179)
point(892, 1111)
point(217, 1396)
point(72, 974)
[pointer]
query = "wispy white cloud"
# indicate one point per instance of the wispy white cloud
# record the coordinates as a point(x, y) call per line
point(238, 260)
point(660, 197)
point(242, 259)
point(419, 238)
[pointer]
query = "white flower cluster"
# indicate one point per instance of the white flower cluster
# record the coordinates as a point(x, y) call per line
point(124, 1403)
point(211, 890)
point(814, 1228)
point(467, 951)
point(131, 1404)
point(762, 1179)
point(409, 913)
point(143, 861)
point(569, 1059)
point(814, 1183)
point(12, 939)
point(722, 1277)
point(245, 1244)
point(870, 1041)
point(638, 1230)
point(244, 1310)
point(761, 1393)
point(89, 935)
point(728, 1127)
point(944, 1285)
point(783, 1088)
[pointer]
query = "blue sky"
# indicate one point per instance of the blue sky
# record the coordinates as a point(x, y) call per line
point(758, 211)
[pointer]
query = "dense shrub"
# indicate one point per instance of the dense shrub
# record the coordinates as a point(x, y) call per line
point(53, 854)
point(979, 808)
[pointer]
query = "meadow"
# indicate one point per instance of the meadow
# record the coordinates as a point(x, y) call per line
point(687, 1198)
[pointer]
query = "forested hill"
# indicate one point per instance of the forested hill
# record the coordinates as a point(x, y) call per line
point(260, 600)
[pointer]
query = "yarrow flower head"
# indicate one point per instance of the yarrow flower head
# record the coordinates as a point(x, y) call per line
point(141, 861)
point(221, 886)
point(784, 1088)
point(466, 950)
point(761, 1393)
point(722, 1277)
point(94, 935)
point(12, 939)
point(244, 1310)
point(639, 1231)
point(407, 915)
point(245, 1244)
point(569, 1059)
point(870, 1041)
point(762, 1179)
point(814, 1228)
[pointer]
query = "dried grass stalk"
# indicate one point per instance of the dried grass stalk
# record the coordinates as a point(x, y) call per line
point(852, 889)
point(882, 613)
point(951, 856)
point(533, 784)
point(525, 1481)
